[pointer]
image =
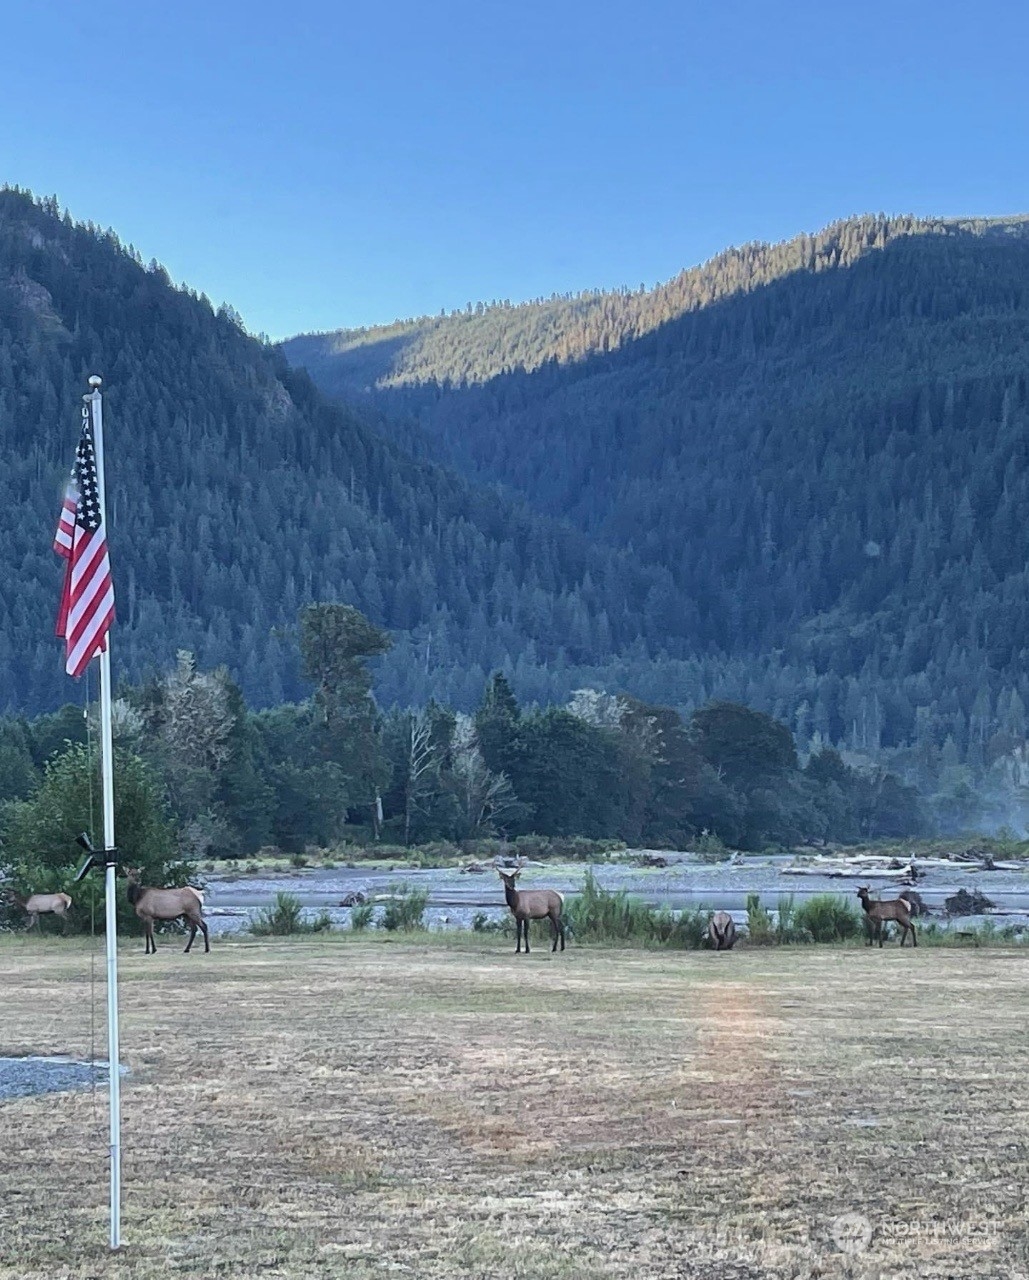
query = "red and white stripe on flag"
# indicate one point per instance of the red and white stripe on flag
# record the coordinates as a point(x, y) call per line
point(66, 524)
point(87, 596)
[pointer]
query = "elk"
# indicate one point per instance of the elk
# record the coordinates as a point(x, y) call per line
point(533, 904)
point(721, 929)
point(42, 904)
point(915, 904)
point(167, 904)
point(879, 912)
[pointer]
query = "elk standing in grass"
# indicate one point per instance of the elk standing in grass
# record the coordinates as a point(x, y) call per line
point(42, 904)
point(533, 904)
point(878, 913)
point(167, 904)
point(721, 929)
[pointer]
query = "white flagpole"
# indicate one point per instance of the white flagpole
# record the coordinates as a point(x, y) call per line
point(94, 400)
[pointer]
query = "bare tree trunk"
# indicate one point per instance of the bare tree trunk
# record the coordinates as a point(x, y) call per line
point(421, 759)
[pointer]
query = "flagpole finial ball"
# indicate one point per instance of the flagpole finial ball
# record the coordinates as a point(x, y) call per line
point(95, 381)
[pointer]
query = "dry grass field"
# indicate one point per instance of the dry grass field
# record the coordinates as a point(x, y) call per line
point(444, 1109)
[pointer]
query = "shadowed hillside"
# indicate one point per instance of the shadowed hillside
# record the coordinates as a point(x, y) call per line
point(237, 493)
point(823, 443)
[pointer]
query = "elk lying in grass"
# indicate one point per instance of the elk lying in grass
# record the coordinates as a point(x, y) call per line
point(533, 904)
point(167, 904)
point(721, 929)
point(42, 904)
point(878, 913)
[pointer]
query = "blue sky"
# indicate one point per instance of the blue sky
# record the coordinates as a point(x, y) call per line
point(320, 165)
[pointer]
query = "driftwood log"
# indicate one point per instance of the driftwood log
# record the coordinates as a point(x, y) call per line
point(964, 903)
point(843, 871)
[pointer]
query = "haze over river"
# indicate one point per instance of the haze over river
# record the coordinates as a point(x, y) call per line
point(455, 896)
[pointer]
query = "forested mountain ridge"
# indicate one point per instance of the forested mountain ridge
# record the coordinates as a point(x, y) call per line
point(826, 452)
point(237, 493)
point(488, 339)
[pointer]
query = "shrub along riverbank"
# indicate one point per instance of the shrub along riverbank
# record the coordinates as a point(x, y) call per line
point(602, 917)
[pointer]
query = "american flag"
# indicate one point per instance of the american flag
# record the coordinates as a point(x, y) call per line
point(87, 597)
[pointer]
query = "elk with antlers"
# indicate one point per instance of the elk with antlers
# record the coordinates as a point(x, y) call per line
point(879, 912)
point(42, 904)
point(167, 904)
point(533, 904)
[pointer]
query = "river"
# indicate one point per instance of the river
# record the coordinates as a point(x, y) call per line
point(455, 896)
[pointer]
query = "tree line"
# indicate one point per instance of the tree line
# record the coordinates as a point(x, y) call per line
point(201, 775)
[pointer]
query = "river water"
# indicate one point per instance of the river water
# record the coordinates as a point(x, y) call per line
point(455, 896)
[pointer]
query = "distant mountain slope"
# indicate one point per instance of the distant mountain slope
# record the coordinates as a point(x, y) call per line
point(490, 339)
point(823, 443)
point(237, 493)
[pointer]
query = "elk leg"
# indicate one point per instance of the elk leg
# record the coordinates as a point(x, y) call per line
point(518, 936)
point(192, 935)
point(525, 926)
point(914, 936)
point(207, 940)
